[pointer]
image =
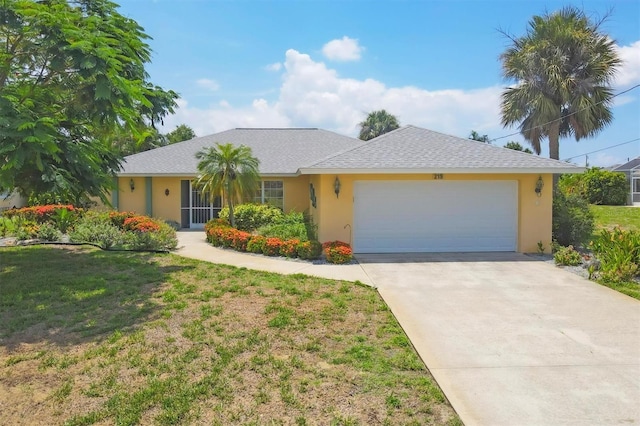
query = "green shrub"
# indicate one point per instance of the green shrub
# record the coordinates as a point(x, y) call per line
point(48, 232)
point(7, 226)
point(572, 219)
point(97, 228)
point(597, 186)
point(25, 229)
point(619, 254)
point(285, 231)
point(162, 238)
point(249, 217)
point(605, 187)
point(567, 256)
point(309, 250)
point(256, 244)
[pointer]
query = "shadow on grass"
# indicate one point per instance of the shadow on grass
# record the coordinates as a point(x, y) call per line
point(69, 295)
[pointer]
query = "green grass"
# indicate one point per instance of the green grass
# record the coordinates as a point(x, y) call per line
point(607, 217)
point(125, 338)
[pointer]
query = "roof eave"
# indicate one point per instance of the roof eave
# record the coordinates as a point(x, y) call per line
point(129, 174)
point(483, 170)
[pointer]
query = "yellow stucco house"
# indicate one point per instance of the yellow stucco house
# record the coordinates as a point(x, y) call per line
point(410, 190)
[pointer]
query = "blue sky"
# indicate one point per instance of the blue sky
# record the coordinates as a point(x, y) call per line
point(313, 63)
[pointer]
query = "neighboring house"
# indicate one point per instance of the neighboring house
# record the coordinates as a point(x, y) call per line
point(631, 169)
point(10, 200)
point(410, 190)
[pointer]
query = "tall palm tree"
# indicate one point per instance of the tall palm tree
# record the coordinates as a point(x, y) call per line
point(229, 171)
point(562, 69)
point(377, 123)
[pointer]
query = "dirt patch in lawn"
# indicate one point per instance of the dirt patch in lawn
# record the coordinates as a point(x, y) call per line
point(215, 345)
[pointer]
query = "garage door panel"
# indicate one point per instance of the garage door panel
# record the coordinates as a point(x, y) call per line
point(431, 216)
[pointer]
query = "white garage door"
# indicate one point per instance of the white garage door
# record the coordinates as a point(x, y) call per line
point(435, 216)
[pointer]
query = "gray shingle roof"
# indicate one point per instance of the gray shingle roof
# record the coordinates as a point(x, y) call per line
point(628, 165)
point(291, 151)
point(413, 149)
point(280, 151)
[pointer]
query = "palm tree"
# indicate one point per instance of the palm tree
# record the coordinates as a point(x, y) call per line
point(228, 171)
point(562, 69)
point(377, 123)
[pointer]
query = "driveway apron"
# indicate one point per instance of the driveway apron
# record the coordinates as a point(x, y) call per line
point(513, 340)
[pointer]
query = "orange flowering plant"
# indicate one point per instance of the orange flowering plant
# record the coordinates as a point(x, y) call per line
point(338, 252)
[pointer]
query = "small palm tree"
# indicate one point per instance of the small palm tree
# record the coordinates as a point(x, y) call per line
point(228, 171)
point(377, 123)
point(562, 68)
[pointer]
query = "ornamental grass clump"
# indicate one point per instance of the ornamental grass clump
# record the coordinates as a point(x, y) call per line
point(338, 252)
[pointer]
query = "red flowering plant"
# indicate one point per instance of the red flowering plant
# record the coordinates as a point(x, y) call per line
point(118, 218)
point(39, 214)
point(240, 240)
point(272, 246)
point(140, 224)
point(337, 252)
point(217, 230)
point(289, 248)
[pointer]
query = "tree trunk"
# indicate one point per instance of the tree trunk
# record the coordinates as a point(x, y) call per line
point(554, 140)
point(554, 147)
point(232, 219)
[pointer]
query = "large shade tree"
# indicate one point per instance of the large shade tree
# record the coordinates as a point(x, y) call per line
point(562, 69)
point(377, 123)
point(229, 171)
point(71, 74)
point(180, 133)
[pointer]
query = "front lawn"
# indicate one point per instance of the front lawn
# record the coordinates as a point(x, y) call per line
point(607, 217)
point(94, 337)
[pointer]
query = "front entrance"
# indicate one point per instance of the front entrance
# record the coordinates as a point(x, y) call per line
point(197, 208)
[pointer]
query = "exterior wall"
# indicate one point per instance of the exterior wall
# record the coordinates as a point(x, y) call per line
point(296, 193)
point(13, 200)
point(132, 201)
point(167, 207)
point(334, 215)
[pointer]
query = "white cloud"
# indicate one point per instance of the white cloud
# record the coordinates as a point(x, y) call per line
point(629, 73)
point(208, 84)
point(205, 121)
point(344, 49)
point(602, 159)
point(277, 66)
point(313, 95)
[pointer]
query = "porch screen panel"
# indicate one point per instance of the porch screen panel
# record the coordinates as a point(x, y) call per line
point(185, 189)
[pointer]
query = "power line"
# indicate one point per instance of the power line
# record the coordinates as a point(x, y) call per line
point(568, 115)
point(603, 149)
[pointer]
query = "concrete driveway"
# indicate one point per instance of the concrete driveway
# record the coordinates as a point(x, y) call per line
point(516, 341)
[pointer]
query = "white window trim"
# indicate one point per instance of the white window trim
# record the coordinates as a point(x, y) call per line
point(262, 182)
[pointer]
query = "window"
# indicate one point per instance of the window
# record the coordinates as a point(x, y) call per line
point(271, 192)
